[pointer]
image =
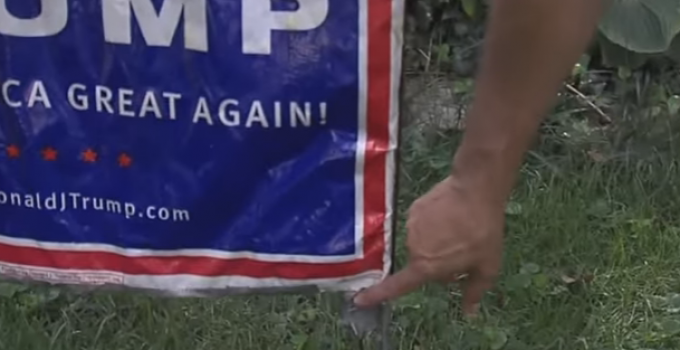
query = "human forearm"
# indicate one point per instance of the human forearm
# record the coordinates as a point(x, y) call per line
point(530, 47)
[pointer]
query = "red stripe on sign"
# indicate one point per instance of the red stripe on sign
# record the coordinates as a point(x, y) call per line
point(200, 266)
point(378, 132)
point(375, 205)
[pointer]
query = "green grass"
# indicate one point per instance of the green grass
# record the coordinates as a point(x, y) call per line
point(592, 262)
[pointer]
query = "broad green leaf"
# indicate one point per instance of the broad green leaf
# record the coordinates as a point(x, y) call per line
point(470, 7)
point(674, 49)
point(307, 315)
point(497, 338)
point(541, 281)
point(669, 326)
point(643, 26)
point(518, 282)
point(443, 53)
point(530, 268)
point(615, 56)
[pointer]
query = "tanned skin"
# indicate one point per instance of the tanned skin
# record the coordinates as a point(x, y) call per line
point(456, 229)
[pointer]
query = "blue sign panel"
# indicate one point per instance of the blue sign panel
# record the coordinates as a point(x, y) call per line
point(198, 144)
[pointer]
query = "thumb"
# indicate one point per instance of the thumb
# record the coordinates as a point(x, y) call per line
point(394, 286)
point(473, 291)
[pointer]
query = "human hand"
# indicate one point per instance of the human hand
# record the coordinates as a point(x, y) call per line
point(451, 232)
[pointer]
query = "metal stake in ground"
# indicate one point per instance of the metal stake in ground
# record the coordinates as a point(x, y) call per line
point(371, 322)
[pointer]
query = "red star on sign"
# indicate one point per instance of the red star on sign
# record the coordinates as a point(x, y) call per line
point(13, 151)
point(124, 160)
point(49, 154)
point(89, 156)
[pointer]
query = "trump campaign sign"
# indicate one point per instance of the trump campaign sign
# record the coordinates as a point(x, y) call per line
point(198, 145)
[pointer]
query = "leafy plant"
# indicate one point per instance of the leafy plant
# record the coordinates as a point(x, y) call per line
point(443, 35)
point(633, 31)
point(630, 34)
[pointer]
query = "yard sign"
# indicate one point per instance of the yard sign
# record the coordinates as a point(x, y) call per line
point(198, 145)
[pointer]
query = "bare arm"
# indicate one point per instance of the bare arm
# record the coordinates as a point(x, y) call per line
point(530, 48)
point(456, 228)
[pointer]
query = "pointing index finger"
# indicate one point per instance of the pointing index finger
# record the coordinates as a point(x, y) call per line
point(394, 286)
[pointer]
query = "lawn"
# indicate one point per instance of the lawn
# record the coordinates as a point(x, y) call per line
point(592, 262)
